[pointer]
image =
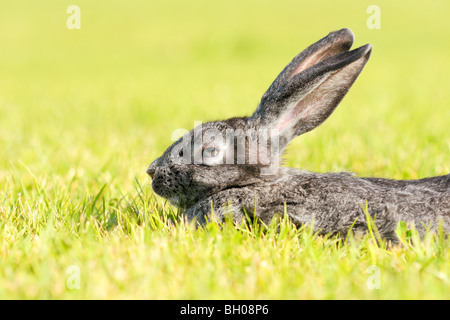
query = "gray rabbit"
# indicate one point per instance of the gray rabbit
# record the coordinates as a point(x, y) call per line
point(231, 167)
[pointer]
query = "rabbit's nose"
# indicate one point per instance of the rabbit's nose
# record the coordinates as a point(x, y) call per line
point(151, 172)
point(152, 169)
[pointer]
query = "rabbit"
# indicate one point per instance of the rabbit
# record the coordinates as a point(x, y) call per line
point(206, 175)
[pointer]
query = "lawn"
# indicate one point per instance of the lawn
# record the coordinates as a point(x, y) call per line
point(83, 112)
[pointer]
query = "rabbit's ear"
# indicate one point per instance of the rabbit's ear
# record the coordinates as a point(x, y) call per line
point(311, 86)
point(334, 43)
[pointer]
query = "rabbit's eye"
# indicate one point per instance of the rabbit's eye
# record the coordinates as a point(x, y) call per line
point(180, 153)
point(210, 152)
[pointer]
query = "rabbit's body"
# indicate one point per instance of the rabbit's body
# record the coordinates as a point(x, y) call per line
point(231, 166)
point(335, 202)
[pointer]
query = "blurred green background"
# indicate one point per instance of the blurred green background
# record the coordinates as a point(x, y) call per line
point(84, 112)
point(107, 97)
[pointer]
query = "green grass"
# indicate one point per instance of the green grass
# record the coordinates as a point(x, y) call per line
point(84, 112)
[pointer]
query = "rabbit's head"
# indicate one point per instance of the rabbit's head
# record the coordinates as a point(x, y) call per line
point(204, 161)
point(245, 151)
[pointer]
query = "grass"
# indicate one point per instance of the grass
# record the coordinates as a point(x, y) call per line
point(84, 112)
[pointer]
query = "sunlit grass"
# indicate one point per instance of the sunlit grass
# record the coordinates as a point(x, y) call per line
point(138, 248)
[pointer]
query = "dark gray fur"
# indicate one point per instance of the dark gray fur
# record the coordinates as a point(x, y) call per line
point(303, 96)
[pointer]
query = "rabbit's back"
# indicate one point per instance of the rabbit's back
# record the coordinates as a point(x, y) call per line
point(336, 201)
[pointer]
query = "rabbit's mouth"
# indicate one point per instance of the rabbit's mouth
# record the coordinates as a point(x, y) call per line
point(167, 192)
